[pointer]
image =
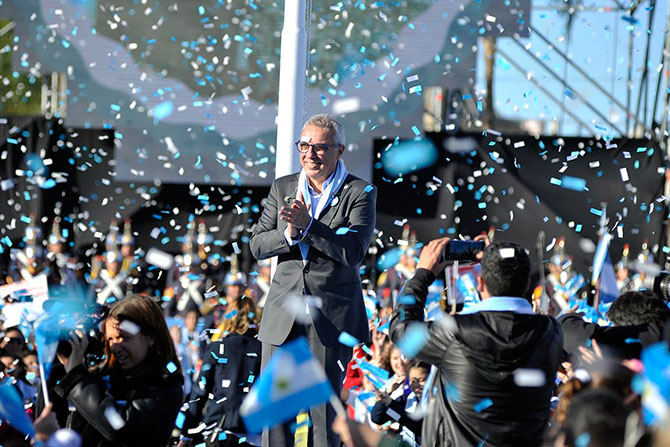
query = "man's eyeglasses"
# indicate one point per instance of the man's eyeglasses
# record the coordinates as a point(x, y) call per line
point(318, 148)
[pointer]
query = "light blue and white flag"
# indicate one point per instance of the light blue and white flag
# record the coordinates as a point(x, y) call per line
point(599, 257)
point(12, 411)
point(292, 381)
point(609, 291)
point(433, 309)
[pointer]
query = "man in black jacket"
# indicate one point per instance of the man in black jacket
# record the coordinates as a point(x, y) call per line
point(497, 360)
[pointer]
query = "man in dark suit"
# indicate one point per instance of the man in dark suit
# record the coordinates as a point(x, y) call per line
point(319, 224)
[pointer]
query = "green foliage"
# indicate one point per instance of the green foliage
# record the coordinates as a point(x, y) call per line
point(20, 92)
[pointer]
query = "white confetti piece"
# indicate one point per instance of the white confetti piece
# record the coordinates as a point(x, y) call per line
point(526, 377)
point(347, 32)
point(129, 327)
point(347, 105)
point(624, 174)
point(507, 252)
point(114, 418)
point(6, 185)
point(159, 258)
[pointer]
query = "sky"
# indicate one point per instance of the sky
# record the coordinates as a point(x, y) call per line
point(599, 45)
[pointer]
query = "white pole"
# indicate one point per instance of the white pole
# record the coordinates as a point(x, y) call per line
point(43, 379)
point(292, 68)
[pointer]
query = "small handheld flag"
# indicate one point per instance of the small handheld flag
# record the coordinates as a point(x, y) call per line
point(292, 381)
point(12, 411)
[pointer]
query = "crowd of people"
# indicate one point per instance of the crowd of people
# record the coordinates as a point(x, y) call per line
point(417, 358)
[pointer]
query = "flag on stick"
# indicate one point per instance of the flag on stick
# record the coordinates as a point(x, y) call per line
point(292, 381)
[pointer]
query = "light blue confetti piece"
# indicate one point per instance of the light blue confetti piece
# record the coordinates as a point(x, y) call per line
point(201, 10)
point(407, 300)
point(368, 188)
point(578, 228)
point(347, 339)
point(48, 184)
point(171, 367)
point(389, 258)
point(483, 405)
point(633, 340)
point(555, 181)
point(414, 339)
point(452, 392)
point(25, 219)
point(583, 440)
point(179, 422)
point(163, 110)
point(573, 183)
point(342, 231)
point(416, 131)
point(596, 211)
point(409, 156)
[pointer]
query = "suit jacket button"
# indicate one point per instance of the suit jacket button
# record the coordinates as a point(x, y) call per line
point(305, 270)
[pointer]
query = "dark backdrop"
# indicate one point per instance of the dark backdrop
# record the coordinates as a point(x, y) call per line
point(510, 182)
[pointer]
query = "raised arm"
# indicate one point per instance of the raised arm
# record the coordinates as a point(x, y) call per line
point(409, 309)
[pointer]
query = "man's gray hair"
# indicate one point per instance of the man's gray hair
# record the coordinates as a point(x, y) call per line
point(326, 121)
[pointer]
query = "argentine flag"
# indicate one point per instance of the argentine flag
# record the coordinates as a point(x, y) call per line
point(292, 381)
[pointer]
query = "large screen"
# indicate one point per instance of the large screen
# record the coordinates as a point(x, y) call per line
point(190, 88)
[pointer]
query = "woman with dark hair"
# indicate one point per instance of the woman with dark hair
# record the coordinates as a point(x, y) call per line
point(133, 397)
point(230, 366)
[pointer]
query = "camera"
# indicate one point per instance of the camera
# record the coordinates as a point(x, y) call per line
point(457, 250)
point(89, 326)
point(659, 284)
